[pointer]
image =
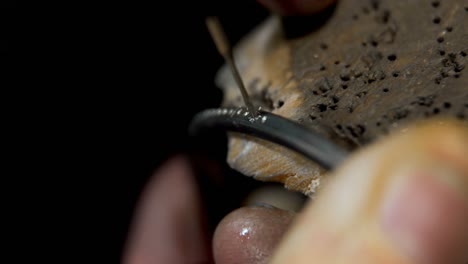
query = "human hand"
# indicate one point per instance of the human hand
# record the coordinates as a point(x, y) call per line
point(402, 200)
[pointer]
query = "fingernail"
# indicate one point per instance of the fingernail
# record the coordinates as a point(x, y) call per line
point(425, 216)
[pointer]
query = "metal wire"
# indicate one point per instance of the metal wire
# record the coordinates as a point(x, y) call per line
point(273, 128)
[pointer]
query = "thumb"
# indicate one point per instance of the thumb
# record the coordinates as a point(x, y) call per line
point(401, 200)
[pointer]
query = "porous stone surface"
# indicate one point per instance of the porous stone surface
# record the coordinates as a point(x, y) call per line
point(358, 72)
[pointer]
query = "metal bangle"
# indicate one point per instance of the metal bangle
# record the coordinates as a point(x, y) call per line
point(273, 128)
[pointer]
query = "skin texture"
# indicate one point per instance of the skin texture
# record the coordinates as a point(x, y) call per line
point(425, 228)
point(250, 235)
point(169, 219)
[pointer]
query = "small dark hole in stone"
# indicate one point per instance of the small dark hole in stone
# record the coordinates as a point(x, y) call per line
point(339, 127)
point(322, 107)
point(322, 68)
point(280, 104)
point(436, 110)
point(459, 68)
point(312, 117)
point(335, 99)
point(386, 16)
point(447, 105)
point(457, 75)
point(463, 53)
point(347, 66)
point(466, 8)
point(323, 46)
point(392, 57)
point(315, 92)
point(385, 90)
point(440, 39)
point(436, 20)
point(395, 74)
point(435, 4)
point(449, 29)
point(377, 124)
point(344, 86)
point(364, 44)
point(452, 56)
point(344, 77)
point(374, 43)
point(442, 52)
point(362, 129)
point(337, 62)
point(352, 132)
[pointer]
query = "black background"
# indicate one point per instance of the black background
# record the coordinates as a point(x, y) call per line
point(165, 63)
point(142, 71)
point(6, 24)
point(96, 96)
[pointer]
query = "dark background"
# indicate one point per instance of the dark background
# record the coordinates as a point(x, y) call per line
point(6, 24)
point(96, 96)
point(164, 64)
point(145, 70)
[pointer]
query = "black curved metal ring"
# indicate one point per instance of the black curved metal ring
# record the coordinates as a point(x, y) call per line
point(274, 128)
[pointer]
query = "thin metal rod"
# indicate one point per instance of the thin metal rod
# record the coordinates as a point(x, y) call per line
point(273, 128)
point(222, 44)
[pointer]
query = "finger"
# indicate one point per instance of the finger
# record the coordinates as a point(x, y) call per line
point(167, 227)
point(277, 196)
point(402, 200)
point(296, 7)
point(250, 234)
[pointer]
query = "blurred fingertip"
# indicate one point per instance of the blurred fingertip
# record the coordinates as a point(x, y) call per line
point(250, 234)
